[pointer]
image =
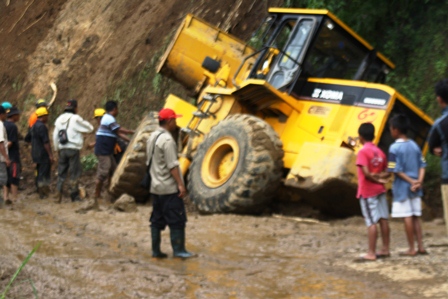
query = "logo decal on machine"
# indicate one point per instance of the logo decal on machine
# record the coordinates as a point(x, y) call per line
point(374, 101)
point(327, 94)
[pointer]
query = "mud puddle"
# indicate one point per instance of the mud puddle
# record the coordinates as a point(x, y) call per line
point(107, 255)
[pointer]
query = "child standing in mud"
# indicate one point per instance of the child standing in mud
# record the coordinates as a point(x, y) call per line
point(372, 163)
point(408, 165)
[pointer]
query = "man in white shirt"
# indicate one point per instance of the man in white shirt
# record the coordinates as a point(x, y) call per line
point(4, 159)
point(75, 126)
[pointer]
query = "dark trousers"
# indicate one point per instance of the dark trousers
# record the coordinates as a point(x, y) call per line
point(43, 174)
point(69, 161)
point(168, 210)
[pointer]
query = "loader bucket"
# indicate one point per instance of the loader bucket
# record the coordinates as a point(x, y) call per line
point(194, 41)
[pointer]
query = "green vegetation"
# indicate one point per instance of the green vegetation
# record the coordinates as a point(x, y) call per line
point(89, 162)
point(412, 34)
point(3, 295)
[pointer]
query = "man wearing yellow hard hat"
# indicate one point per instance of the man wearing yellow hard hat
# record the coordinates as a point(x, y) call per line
point(33, 117)
point(41, 152)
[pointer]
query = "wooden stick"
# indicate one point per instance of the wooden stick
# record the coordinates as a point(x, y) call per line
point(299, 219)
point(55, 91)
point(24, 12)
point(32, 24)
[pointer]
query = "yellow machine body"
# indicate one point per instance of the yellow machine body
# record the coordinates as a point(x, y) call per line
point(316, 118)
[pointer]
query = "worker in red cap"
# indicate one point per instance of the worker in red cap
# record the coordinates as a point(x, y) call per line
point(167, 187)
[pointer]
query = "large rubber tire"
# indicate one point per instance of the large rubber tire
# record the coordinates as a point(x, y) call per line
point(130, 171)
point(256, 159)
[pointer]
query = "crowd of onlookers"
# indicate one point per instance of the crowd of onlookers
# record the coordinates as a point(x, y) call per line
point(67, 140)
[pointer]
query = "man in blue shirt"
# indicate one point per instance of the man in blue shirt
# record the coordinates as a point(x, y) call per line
point(408, 166)
point(106, 138)
point(438, 142)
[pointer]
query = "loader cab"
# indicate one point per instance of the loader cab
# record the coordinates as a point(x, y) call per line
point(296, 44)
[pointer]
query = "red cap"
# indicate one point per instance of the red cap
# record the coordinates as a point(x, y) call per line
point(167, 113)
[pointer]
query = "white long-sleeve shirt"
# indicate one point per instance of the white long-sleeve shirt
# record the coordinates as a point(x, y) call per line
point(76, 127)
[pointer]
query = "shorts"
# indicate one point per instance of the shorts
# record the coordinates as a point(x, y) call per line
point(106, 167)
point(3, 174)
point(374, 208)
point(14, 174)
point(407, 208)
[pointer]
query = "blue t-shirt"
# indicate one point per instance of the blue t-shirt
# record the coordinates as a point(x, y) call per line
point(106, 136)
point(405, 156)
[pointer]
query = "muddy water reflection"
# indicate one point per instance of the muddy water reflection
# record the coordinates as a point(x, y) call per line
point(238, 267)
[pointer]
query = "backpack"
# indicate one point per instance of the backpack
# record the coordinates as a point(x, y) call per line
point(62, 134)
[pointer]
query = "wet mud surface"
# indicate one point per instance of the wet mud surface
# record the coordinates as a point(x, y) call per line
point(107, 254)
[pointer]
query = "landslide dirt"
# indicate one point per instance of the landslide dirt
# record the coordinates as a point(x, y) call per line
point(89, 48)
point(107, 255)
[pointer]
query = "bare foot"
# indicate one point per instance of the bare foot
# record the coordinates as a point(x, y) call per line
point(408, 253)
point(368, 256)
point(383, 253)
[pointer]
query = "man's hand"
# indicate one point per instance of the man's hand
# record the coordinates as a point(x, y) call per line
point(7, 162)
point(416, 185)
point(383, 181)
point(437, 151)
point(182, 191)
point(52, 160)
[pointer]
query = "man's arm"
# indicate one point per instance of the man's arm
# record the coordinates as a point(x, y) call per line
point(49, 152)
point(435, 142)
point(175, 172)
point(124, 137)
point(55, 137)
point(4, 154)
point(83, 126)
point(123, 131)
point(374, 177)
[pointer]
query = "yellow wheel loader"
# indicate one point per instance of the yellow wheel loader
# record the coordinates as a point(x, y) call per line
point(280, 112)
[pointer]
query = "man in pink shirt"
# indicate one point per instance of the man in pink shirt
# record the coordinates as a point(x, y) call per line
point(372, 165)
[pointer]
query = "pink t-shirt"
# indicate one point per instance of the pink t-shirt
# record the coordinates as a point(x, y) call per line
point(375, 160)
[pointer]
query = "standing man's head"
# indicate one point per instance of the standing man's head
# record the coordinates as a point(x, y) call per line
point(2, 113)
point(441, 90)
point(399, 126)
point(167, 119)
point(366, 133)
point(112, 108)
point(71, 106)
point(98, 114)
point(42, 114)
point(13, 114)
point(41, 103)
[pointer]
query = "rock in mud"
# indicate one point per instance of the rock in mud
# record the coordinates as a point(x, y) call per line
point(125, 203)
point(88, 206)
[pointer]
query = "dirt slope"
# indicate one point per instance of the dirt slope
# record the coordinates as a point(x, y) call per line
point(90, 47)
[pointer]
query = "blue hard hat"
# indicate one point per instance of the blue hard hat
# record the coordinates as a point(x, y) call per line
point(7, 105)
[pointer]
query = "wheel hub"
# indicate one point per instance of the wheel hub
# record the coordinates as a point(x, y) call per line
point(220, 162)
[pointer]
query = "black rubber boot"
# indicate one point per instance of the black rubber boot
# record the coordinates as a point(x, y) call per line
point(178, 244)
point(156, 239)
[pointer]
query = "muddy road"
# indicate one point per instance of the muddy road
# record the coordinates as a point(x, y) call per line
point(107, 254)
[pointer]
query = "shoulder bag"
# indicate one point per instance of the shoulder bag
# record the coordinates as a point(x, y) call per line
point(146, 181)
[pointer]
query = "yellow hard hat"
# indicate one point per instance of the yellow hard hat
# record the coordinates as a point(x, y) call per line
point(41, 111)
point(41, 103)
point(99, 112)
